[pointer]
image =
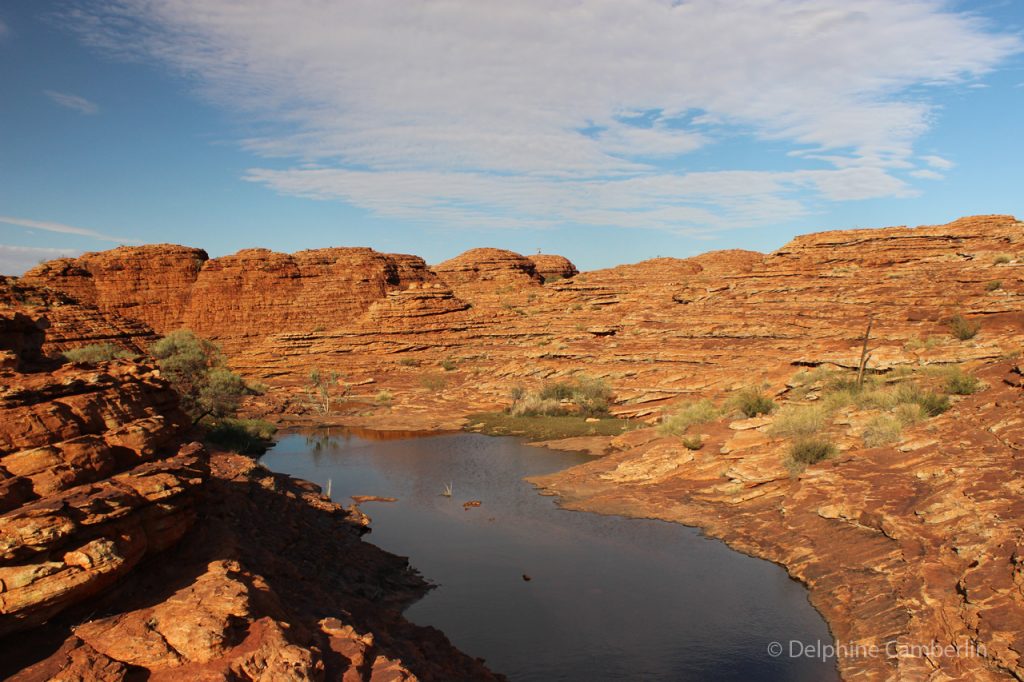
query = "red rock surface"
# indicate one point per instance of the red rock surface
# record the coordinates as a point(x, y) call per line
point(272, 583)
point(68, 323)
point(918, 541)
point(552, 267)
point(125, 554)
point(496, 266)
point(150, 283)
point(91, 481)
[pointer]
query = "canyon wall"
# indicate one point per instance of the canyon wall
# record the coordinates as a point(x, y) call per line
point(128, 552)
point(917, 541)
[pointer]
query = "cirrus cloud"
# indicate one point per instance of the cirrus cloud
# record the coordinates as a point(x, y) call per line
point(73, 102)
point(536, 114)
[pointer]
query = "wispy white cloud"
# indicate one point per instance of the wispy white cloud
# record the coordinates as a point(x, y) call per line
point(926, 174)
point(61, 228)
point(535, 113)
point(73, 102)
point(15, 260)
point(938, 162)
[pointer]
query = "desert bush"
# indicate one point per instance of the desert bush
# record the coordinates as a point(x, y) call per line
point(931, 403)
point(926, 344)
point(800, 421)
point(751, 402)
point(583, 395)
point(559, 390)
point(448, 365)
point(433, 382)
point(909, 413)
point(1001, 259)
point(384, 397)
point(960, 383)
point(533, 405)
point(693, 442)
point(322, 388)
point(688, 414)
point(246, 436)
point(811, 450)
point(994, 285)
point(409, 362)
point(195, 367)
point(592, 396)
point(97, 352)
point(963, 328)
point(882, 430)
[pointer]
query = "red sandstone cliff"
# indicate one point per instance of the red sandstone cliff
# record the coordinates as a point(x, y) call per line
point(126, 552)
point(920, 540)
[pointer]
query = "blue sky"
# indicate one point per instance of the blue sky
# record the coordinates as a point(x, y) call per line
point(604, 130)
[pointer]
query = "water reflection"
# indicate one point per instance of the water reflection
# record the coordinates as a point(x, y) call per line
point(609, 598)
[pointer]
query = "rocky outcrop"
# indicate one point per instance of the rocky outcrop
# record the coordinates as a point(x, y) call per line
point(552, 267)
point(272, 583)
point(917, 542)
point(495, 266)
point(125, 553)
point(91, 481)
point(903, 547)
point(239, 296)
point(67, 323)
point(151, 284)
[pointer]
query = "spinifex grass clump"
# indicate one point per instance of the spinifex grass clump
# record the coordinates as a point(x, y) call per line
point(687, 415)
point(963, 328)
point(582, 396)
point(97, 352)
point(811, 450)
point(960, 383)
point(752, 402)
point(883, 429)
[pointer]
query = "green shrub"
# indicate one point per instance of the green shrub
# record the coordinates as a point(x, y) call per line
point(811, 450)
point(963, 328)
point(533, 405)
point(926, 344)
point(592, 396)
point(409, 362)
point(197, 371)
point(246, 436)
point(693, 442)
point(1001, 259)
point(583, 395)
point(994, 285)
point(930, 402)
point(959, 383)
point(882, 430)
point(561, 390)
point(688, 414)
point(751, 402)
point(800, 421)
point(447, 365)
point(384, 397)
point(97, 352)
point(909, 413)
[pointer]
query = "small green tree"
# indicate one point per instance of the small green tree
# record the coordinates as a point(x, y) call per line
point(196, 369)
point(321, 389)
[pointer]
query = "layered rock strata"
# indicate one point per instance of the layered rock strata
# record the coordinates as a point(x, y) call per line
point(916, 542)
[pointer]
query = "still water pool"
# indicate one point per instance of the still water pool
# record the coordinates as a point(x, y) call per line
point(608, 598)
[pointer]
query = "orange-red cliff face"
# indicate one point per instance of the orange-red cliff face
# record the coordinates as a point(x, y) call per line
point(96, 479)
point(917, 540)
point(249, 293)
